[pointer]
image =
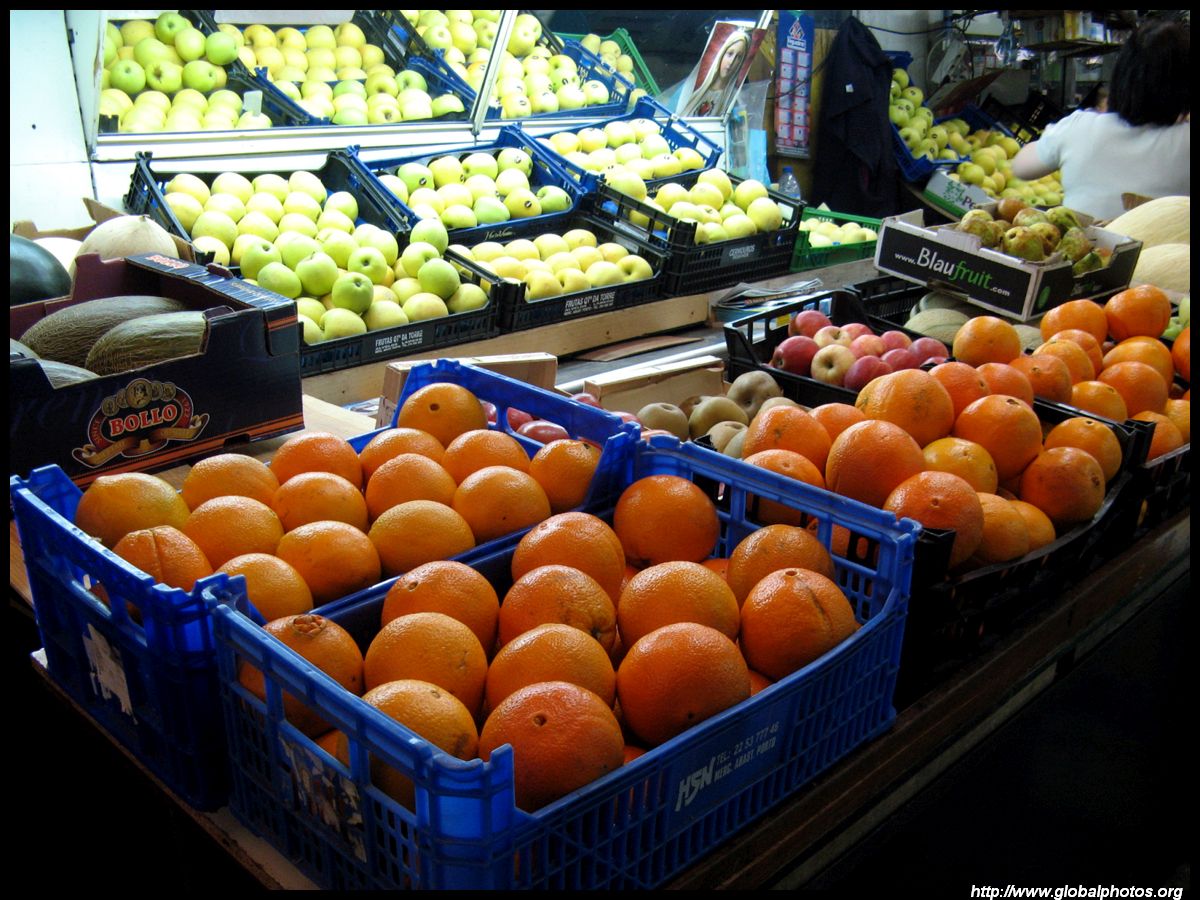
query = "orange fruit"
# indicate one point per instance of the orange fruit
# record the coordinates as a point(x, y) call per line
point(1079, 364)
point(405, 477)
point(962, 382)
point(551, 652)
point(837, 417)
point(984, 339)
point(394, 441)
point(578, 539)
point(323, 643)
point(1167, 436)
point(1099, 399)
point(562, 736)
point(442, 409)
point(718, 564)
point(226, 527)
point(1088, 434)
point(1140, 386)
point(676, 592)
point(912, 399)
point(941, 500)
point(480, 447)
point(771, 548)
point(419, 531)
point(1002, 378)
point(1148, 350)
point(1086, 341)
point(660, 518)
point(1144, 310)
point(1004, 426)
point(319, 496)
point(676, 677)
point(1005, 534)
point(431, 647)
point(333, 558)
point(225, 474)
point(792, 465)
point(564, 468)
point(429, 711)
point(317, 451)
point(448, 587)
point(869, 459)
point(1082, 315)
point(274, 586)
point(558, 594)
point(966, 459)
point(1065, 483)
point(166, 554)
point(114, 505)
point(787, 428)
point(758, 681)
point(1037, 524)
point(1049, 375)
point(498, 500)
point(1181, 353)
point(1180, 412)
point(791, 618)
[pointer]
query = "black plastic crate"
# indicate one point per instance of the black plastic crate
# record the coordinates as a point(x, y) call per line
point(696, 268)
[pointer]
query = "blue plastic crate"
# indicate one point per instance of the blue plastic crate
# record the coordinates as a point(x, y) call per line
point(633, 829)
point(547, 171)
point(143, 666)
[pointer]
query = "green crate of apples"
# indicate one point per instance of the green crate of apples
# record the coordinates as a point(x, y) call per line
point(828, 238)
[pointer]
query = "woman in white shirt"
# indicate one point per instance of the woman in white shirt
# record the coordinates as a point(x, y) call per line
point(1140, 145)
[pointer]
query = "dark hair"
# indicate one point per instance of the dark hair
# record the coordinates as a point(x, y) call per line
point(1152, 77)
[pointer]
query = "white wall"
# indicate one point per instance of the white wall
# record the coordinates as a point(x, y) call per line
point(48, 165)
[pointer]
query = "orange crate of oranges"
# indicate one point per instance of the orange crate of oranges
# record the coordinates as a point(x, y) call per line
point(659, 662)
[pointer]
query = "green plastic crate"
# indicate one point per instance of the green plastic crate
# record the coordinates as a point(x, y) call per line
point(807, 257)
point(641, 72)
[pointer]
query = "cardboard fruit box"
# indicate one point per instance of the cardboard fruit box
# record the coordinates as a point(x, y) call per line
point(244, 385)
point(946, 259)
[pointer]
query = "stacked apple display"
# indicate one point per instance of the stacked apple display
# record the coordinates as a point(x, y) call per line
point(827, 233)
point(167, 75)
point(721, 209)
point(335, 74)
point(292, 236)
point(610, 54)
point(532, 78)
point(551, 264)
point(476, 188)
point(990, 167)
point(1034, 235)
point(907, 112)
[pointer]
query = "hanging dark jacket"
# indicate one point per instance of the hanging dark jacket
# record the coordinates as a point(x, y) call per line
point(855, 170)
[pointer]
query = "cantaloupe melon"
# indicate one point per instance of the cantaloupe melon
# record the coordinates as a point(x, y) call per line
point(1166, 266)
point(1164, 220)
point(942, 324)
point(69, 334)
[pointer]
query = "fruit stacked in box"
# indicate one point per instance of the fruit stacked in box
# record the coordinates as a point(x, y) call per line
point(172, 74)
point(347, 74)
point(618, 52)
point(474, 190)
point(828, 238)
point(328, 240)
point(116, 571)
point(476, 771)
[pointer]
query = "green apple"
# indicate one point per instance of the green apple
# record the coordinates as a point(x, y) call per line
point(187, 183)
point(739, 225)
point(310, 330)
point(515, 158)
point(553, 199)
point(748, 191)
point(384, 314)
point(216, 224)
point(455, 195)
point(151, 50)
point(190, 43)
point(210, 245)
point(338, 245)
point(257, 254)
point(570, 96)
point(626, 182)
point(509, 180)
point(522, 204)
point(415, 175)
point(765, 214)
point(468, 297)
point(423, 305)
point(579, 237)
point(383, 241)
point(340, 322)
point(352, 291)
point(430, 231)
point(522, 248)
point(127, 75)
point(447, 105)
point(317, 272)
point(332, 218)
point(135, 30)
point(689, 158)
point(270, 183)
point(258, 223)
point(277, 277)
point(480, 163)
point(618, 132)
point(446, 170)
point(230, 204)
point(311, 307)
point(710, 233)
point(602, 273)
point(395, 185)
point(572, 280)
point(596, 92)
point(164, 75)
point(437, 276)
point(491, 210)
point(201, 75)
point(562, 260)
point(549, 244)
point(234, 183)
point(612, 251)
point(169, 25)
point(220, 48)
point(185, 207)
point(368, 261)
point(635, 268)
point(295, 246)
point(415, 255)
point(539, 285)
point(308, 183)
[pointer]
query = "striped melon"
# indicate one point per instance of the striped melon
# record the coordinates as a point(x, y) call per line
point(69, 334)
point(147, 341)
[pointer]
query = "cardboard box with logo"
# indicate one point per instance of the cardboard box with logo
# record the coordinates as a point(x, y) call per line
point(949, 260)
point(243, 385)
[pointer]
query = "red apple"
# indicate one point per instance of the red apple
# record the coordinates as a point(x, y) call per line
point(856, 329)
point(868, 345)
point(795, 354)
point(489, 409)
point(627, 417)
point(832, 362)
point(901, 358)
point(894, 339)
point(926, 348)
point(517, 418)
point(542, 431)
point(832, 334)
point(807, 322)
point(586, 398)
point(937, 360)
point(865, 370)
